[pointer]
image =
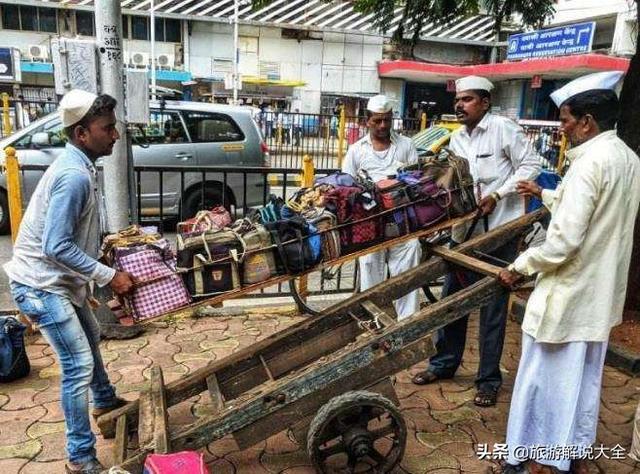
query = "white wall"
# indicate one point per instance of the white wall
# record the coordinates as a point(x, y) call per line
point(338, 63)
point(575, 10)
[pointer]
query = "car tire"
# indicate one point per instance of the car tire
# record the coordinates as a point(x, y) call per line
point(5, 220)
point(212, 197)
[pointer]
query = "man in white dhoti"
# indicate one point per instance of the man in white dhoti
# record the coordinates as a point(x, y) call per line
point(580, 290)
point(380, 153)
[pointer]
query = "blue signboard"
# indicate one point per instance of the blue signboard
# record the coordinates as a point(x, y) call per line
point(560, 41)
point(6, 65)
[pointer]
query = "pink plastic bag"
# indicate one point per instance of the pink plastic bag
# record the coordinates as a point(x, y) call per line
point(184, 462)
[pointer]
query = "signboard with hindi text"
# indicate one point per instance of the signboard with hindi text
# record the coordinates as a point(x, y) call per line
point(559, 41)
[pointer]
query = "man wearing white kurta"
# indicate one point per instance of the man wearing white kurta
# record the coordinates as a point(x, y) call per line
point(581, 285)
point(380, 153)
point(499, 155)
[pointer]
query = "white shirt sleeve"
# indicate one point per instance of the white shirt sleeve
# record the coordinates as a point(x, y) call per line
point(569, 222)
point(549, 197)
point(349, 164)
point(525, 161)
point(412, 153)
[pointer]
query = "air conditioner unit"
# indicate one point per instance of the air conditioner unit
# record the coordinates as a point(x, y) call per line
point(139, 59)
point(38, 52)
point(165, 61)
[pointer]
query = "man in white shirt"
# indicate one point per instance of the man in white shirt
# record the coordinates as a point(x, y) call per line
point(380, 153)
point(499, 156)
point(582, 270)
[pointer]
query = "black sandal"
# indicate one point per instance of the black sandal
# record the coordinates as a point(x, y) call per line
point(425, 377)
point(485, 398)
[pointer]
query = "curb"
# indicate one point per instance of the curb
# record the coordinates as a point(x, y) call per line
point(617, 356)
point(276, 180)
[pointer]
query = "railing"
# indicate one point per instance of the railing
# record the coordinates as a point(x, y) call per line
point(547, 141)
point(18, 113)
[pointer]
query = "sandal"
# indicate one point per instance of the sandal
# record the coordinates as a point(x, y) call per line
point(425, 377)
point(485, 398)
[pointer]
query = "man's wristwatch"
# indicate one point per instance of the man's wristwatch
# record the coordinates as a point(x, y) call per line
point(495, 196)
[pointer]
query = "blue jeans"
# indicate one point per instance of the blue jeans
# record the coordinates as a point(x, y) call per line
point(73, 334)
point(493, 319)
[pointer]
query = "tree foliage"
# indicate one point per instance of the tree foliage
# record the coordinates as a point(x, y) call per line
point(417, 14)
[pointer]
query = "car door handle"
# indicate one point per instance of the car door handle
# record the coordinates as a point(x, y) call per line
point(184, 156)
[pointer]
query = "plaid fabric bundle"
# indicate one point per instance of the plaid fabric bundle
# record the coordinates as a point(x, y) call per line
point(158, 288)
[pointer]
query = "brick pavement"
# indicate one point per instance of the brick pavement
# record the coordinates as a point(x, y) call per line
point(444, 425)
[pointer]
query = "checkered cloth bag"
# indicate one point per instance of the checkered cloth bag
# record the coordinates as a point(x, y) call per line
point(158, 288)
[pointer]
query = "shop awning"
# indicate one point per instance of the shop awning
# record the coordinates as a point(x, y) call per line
point(563, 67)
point(262, 81)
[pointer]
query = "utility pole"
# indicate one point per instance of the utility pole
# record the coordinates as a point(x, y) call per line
point(236, 53)
point(108, 16)
point(153, 50)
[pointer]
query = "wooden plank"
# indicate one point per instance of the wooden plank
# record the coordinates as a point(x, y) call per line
point(305, 351)
point(391, 289)
point(146, 419)
point(217, 400)
point(266, 367)
point(376, 313)
point(300, 428)
point(122, 440)
point(161, 419)
point(470, 263)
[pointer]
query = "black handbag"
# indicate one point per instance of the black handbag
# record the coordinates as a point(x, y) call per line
point(14, 363)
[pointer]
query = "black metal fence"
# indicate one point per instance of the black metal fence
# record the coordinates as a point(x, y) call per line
point(21, 112)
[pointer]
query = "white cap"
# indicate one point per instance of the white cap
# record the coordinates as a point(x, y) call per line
point(598, 80)
point(473, 83)
point(379, 104)
point(74, 106)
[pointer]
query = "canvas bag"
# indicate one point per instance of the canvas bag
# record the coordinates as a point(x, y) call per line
point(14, 363)
point(325, 222)
point(214, 219)
point(430, 201)
point(298, 244)
point(158, 289)
point(392, 194)
point(357, 226)
point(259, 262)
point(183, 462)
point(338, 178)
point(210, 262)
point(452, 173)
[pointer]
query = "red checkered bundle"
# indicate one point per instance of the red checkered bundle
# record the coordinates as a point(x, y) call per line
point(158, 288)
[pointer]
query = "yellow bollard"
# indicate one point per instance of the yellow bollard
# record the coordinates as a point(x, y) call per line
point(561, 154)
point(14, 190)
point(341, 135)
point(308, 171)
point(423, 121)
point(6, 121)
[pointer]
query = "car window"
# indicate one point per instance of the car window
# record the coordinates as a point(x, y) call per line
point(163, 127)
point(211, 127)
point(54, 128)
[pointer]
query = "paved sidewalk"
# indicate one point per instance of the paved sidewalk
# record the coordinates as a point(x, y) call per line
point(444, 425)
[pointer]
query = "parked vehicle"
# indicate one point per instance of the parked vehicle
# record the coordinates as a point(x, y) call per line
point(188, 135)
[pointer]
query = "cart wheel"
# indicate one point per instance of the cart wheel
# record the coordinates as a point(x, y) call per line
point(357, 432)
point(324, 288)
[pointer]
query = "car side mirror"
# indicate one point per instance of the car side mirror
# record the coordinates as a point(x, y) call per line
point(41, 139)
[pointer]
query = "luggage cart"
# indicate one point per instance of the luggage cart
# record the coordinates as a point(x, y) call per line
point(326, 379)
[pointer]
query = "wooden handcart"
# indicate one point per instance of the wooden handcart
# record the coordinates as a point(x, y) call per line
point(327, 378)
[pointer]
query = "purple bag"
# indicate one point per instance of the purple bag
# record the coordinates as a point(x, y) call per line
point(430, 201)
point(336, 179)
point(158, 288)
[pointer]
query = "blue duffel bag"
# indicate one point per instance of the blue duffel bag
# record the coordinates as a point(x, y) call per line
point(14, 363)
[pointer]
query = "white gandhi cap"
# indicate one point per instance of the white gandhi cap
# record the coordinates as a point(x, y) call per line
point(596, 81)
point(473, 83)
point(74, 106)
point(379, 104)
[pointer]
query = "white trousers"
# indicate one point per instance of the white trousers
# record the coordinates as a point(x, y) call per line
point(555, 401)
point(399, 258)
